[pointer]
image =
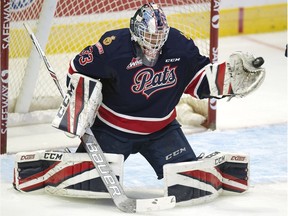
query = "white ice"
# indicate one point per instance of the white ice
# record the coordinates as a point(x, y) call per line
point(255, 125)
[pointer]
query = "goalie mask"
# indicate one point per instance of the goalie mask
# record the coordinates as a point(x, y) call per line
point(150, 30)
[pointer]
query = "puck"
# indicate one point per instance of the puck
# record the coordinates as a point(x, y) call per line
point(258, 62)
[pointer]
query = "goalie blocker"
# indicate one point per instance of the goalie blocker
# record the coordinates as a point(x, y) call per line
point(80, 105)
point(74, 175)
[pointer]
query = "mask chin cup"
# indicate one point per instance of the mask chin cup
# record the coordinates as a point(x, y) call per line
point(146, 60)
point(149, 62)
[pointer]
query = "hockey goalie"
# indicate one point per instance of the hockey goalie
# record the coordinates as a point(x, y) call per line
point(125, 88)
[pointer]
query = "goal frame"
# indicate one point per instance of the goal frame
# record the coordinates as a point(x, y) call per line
point(5, 28)
point(4, 38)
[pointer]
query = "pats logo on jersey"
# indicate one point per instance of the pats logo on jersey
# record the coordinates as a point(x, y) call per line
point(135, 62)
point(147, 81)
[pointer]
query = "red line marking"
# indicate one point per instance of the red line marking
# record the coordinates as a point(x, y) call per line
point(264, 43)
point(241, 20)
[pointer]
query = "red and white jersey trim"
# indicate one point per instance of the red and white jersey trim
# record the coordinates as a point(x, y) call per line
point(194, 84)
point(72, 68)
point(131, 124)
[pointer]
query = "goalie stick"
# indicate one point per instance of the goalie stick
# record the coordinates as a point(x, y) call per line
point(101, 164)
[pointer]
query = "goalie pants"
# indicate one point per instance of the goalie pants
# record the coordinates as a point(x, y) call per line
point(166, 146)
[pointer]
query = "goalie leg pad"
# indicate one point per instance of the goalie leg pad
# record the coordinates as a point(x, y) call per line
point(192, 182)
point(235, 173)
point(63, 174)
point(80, 105)
point(204, 180)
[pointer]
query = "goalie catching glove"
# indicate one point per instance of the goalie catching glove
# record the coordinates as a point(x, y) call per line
point(239, 76)
point(80, 105)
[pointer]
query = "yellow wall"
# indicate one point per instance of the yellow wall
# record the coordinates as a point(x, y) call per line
point(259, 19)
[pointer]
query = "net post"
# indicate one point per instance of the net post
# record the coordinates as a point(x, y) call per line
point(4, 36)
point(214, 31)
point(33, 65)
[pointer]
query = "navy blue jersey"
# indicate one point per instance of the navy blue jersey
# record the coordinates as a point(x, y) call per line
point(138, 99)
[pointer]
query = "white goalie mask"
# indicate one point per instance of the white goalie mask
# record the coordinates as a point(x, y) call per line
point(150, 30)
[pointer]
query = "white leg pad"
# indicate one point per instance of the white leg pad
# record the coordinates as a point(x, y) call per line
point(65, 174)
point(204, 180)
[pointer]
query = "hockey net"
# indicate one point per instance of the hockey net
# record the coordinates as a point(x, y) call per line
point(65, 27)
